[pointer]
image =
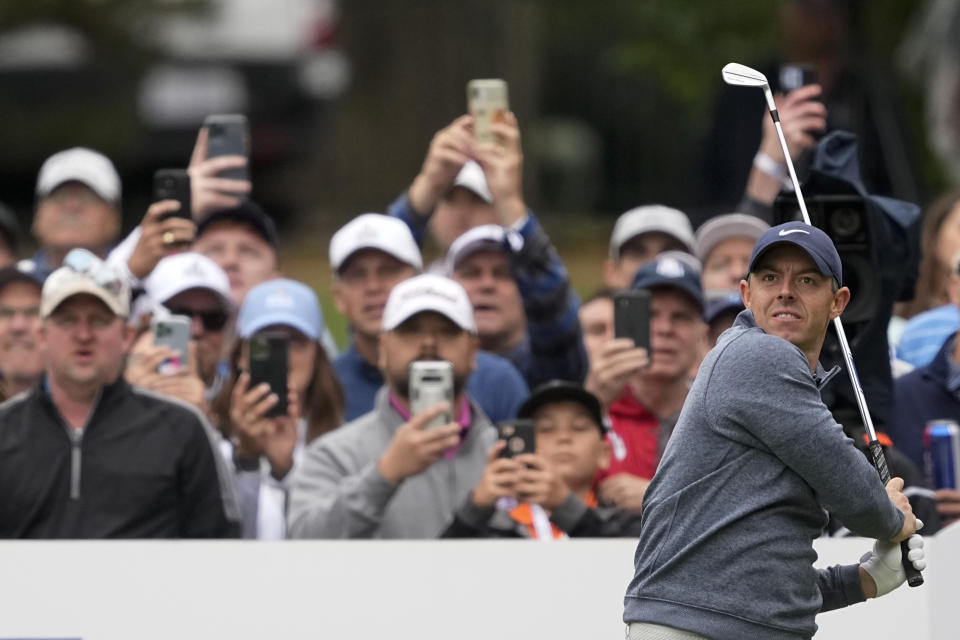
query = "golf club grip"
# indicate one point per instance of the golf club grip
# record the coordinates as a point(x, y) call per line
point(914, 577)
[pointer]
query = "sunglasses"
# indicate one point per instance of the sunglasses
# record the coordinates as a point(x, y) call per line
point(85, 263)
point(211, 320)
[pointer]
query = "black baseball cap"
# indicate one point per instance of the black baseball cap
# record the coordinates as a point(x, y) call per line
point(562, 391)
point(247, 212)
point(727, 301)
point(814, 242)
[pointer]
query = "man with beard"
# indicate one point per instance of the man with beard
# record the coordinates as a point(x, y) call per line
point(21, 363)
point(385, 474)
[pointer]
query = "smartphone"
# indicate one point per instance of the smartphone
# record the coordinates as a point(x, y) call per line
point(520, 437)
point(173, 332)
point(794, 76)
point(173, 184)
point(631, 316)
point(228, 135)
point(268, 363)
point(431, 382)
point(487, 103)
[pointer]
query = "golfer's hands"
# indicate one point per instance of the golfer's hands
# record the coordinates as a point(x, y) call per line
point(414, 448)
point(160, 237)
point(802, 117)
point(910, 523)
point(617, 361)
point(624, 491)
point(449, 149)
point(884, 567)
point(499, 478)
point(948, 504)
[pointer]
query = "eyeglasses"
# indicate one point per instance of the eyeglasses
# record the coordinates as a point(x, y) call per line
point(212, 320)
point(9, 313)
point(83, 262)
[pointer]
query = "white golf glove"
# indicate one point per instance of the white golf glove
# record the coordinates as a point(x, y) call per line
point(884, 565)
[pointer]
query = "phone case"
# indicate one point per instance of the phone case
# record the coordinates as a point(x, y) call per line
point(173, 332)
point(228, 136)
point(173, 184)
point(487, 103)
point(631, 316)
point(268, 363)
point(431, 383)
point(520, 437)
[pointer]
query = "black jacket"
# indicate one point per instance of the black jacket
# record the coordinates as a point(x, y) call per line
point(142, 467)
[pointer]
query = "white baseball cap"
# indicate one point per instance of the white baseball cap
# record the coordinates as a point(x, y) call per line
point(83, 272)
point(182, 271)
point(375, 231)
point(428, 292)
point(485, 237)
point(471, 177)
point(648, 218)
point(80, 164)
point(732, 225)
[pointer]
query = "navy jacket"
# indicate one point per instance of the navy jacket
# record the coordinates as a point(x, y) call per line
point(921, 396)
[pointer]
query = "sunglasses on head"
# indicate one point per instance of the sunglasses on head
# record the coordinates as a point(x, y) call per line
point(214, 320)
point(85, 263)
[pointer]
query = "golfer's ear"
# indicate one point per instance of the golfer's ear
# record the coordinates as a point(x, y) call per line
point(840, 300)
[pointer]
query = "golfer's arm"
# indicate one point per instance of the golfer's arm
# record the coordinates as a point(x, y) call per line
point(843, 585)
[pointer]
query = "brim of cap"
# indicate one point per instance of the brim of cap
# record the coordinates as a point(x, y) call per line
point(422, 307)
point(822, 265)
point(275, 319)
point(49, 304)
point(386, 248)
point(550, 394)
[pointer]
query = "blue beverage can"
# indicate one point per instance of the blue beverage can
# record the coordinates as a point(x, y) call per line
point(941, 453)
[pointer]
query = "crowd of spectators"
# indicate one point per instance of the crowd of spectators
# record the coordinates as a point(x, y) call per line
point(108, 432)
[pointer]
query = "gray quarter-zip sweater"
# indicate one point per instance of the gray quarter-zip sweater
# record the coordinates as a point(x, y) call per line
point(338, 492)
point(729, 519)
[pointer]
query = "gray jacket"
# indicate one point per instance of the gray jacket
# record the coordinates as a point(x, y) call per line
point(729, 519)
point(338, 491)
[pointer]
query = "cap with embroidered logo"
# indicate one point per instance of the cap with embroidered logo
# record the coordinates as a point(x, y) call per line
point(182, 271)
point(814, 242)
point(280, 302)
point(669, 272)
point(428, 292)
point(375, 231)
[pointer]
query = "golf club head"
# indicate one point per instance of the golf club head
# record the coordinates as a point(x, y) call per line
point(743, 76)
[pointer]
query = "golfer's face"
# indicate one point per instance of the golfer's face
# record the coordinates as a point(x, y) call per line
point(790, 298)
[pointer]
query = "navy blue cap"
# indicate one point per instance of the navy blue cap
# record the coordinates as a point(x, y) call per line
point(812, 240)
point(23, 271)
point(728, 301)
point(248, 212)
point(667, 272)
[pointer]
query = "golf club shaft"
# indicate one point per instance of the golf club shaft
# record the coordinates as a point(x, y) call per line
point(914, 577)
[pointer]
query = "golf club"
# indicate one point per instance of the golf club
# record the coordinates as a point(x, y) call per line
point(743, 76)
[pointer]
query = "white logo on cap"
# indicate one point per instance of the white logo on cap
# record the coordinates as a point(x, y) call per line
point(279, 299)
point(670, 268)
point(786, 232)
point(193, 269)
point(367, 231)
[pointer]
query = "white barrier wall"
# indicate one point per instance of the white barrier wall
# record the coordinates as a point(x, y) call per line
point(451, 589)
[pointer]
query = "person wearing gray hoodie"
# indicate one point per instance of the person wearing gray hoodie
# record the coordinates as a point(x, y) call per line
point(755, 462)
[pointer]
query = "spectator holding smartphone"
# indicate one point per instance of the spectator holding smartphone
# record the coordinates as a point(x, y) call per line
point(644, 392)
point(264, 448)
point(384, 475)
point(550, 492)
point(369, 256)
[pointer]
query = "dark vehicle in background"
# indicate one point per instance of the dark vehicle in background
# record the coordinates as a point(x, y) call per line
point(138, 87)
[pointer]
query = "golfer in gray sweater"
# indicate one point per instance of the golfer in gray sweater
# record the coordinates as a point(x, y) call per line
point(754, 463)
